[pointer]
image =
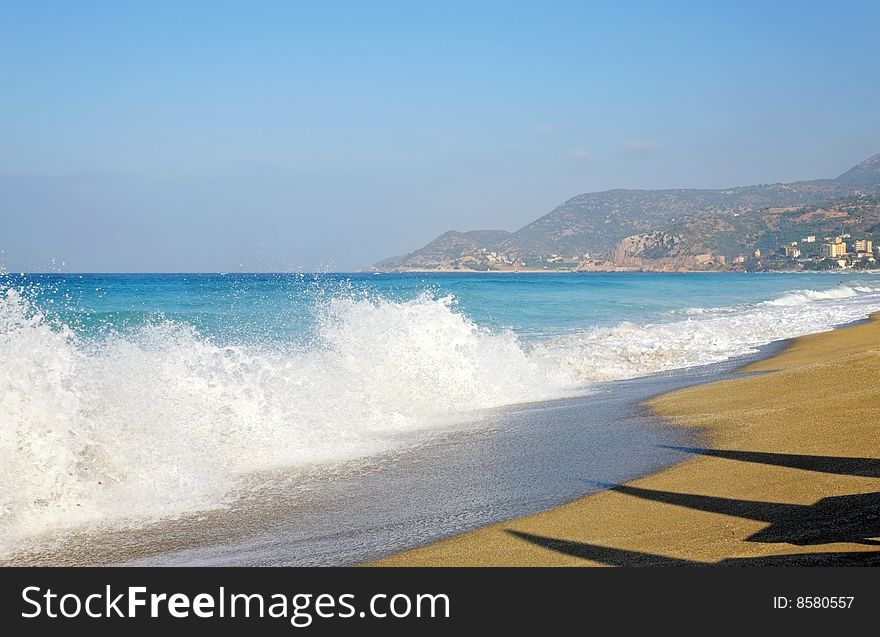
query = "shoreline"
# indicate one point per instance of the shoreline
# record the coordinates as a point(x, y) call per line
point(621, 270)
point(846, 272)
point(786, 473)
point(545, 463)
point(520, 460)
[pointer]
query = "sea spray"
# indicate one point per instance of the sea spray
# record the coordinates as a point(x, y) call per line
point(162, 419)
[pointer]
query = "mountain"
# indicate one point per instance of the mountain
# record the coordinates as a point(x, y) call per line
point(449, 246)
point(866, 173)
point(661, 229)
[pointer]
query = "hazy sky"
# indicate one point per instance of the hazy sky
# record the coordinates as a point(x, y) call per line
point(223, 136)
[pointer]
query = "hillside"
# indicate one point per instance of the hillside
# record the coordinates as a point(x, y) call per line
point(678, 229)
point(449, 246)
point(700, 240)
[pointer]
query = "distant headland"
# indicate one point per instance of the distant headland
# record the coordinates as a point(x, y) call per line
point(823, 224)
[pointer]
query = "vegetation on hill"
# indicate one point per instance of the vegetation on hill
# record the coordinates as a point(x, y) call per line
point(663, 229)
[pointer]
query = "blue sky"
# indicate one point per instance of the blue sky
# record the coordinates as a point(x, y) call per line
point(206, 136)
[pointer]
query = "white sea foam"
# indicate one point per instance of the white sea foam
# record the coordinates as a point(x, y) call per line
point(799, 297)
point(164, 421)
point(629, 350)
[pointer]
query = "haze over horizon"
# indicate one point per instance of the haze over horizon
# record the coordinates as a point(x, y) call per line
point(215, 137)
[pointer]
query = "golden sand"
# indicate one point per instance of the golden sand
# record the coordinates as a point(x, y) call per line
point(787, 472)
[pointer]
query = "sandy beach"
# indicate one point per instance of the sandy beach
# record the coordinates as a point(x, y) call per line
point(787, 472)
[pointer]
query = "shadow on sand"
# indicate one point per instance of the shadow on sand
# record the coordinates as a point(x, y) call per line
point(861, 467)
point(845, 518)
point(622, 557)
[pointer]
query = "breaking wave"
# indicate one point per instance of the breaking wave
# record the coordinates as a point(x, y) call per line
point(164, 421)
point(708, 335)
point(800, 297)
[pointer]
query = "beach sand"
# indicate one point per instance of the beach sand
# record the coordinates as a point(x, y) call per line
point(787, 473)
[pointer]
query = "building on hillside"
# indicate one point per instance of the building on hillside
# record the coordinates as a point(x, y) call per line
point(809, 239)
point(835, 249)
point(864, 245)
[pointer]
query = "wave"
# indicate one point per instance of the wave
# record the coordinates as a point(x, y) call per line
point(163, 421)
point(709, 335)
point(799, 297)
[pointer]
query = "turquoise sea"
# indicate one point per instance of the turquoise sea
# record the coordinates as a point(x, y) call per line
point(127, 397)
point(253, 307)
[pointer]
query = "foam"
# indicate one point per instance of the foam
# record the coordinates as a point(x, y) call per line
point(164, 421)
point(710, 335)
point(799, 297)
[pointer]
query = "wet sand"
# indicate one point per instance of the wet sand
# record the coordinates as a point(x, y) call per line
point(786, 472)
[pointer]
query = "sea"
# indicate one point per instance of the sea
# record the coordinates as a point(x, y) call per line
point(332, 418)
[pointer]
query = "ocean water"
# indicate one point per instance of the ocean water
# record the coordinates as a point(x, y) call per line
point(133, 397)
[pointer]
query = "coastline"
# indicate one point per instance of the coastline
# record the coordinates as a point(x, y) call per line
point(620, 270)
point(616, 270)
point(517, 460)
point(540, 457)
point(785, 473)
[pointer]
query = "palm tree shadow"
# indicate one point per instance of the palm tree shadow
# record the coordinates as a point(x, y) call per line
point(603, 554)
point(860, 467)
point(846, 518)
point(622, 557)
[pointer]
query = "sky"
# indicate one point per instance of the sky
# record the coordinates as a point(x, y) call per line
point(286, 136)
